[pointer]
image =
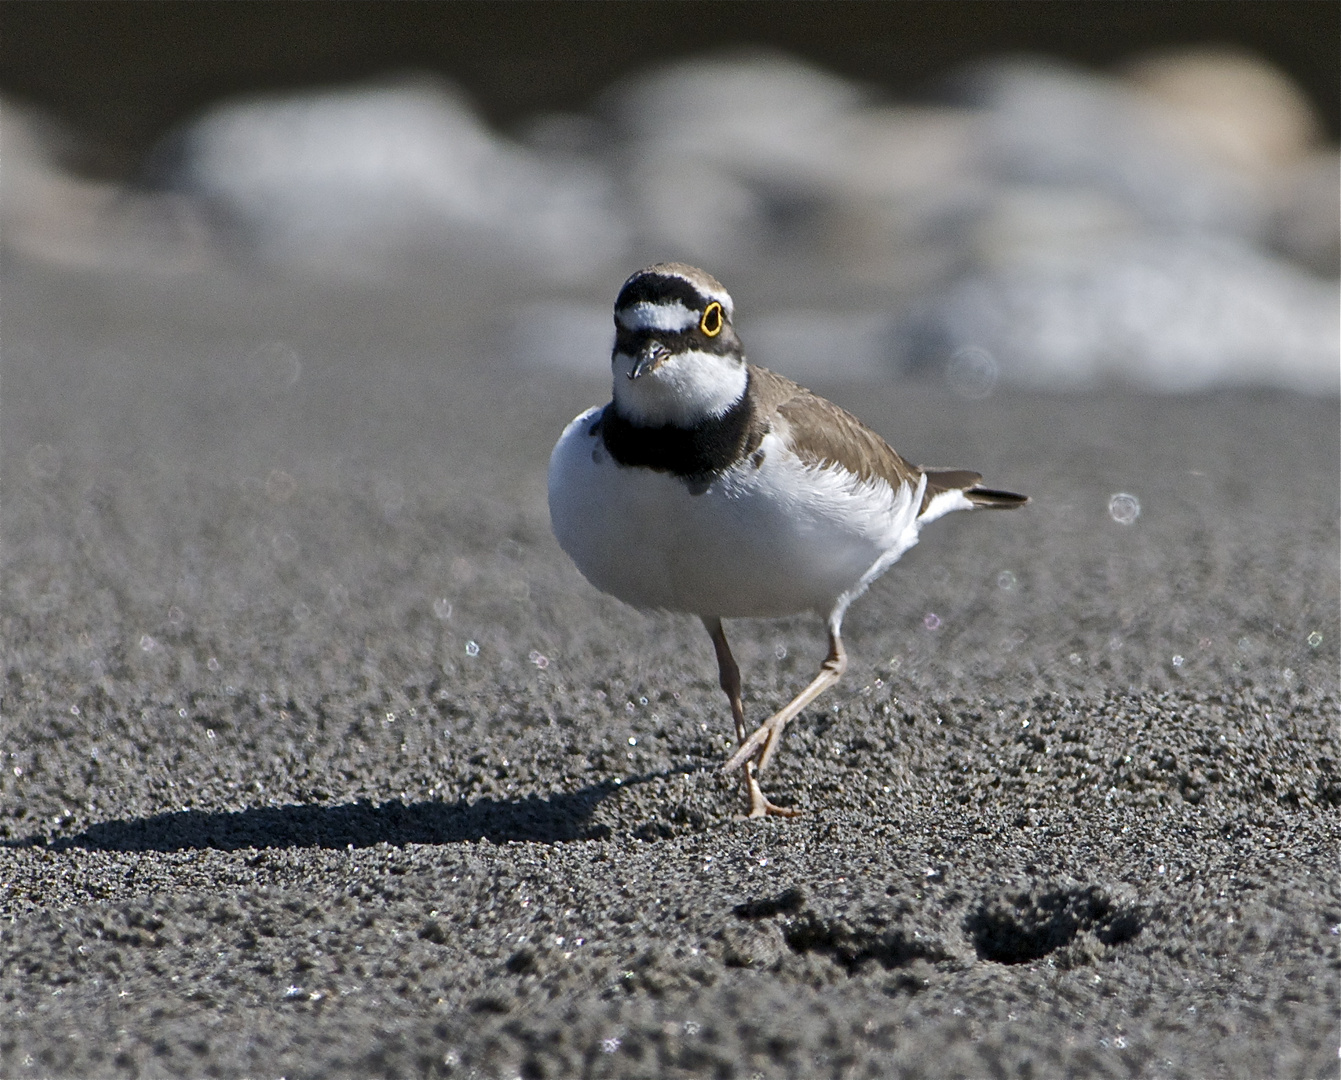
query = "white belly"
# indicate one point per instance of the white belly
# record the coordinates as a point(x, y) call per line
point(766, 540)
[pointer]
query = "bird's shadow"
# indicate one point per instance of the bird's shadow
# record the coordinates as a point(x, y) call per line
point(552, 819)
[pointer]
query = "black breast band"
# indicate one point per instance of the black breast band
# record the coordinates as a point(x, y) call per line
point(692, 453)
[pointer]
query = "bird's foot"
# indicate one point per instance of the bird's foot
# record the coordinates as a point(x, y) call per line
point(766, 809)
point(759, 803)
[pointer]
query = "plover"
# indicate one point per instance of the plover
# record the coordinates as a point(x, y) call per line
point(711, 486)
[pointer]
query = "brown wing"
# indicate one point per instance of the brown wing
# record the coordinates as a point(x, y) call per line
point(822, 434)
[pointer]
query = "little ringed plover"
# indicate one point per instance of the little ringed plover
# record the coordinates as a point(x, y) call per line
point(711, 486)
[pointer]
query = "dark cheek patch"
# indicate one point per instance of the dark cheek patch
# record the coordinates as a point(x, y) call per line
point(630, 342)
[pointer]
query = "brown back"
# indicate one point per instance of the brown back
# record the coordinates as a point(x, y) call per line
point(823, 434)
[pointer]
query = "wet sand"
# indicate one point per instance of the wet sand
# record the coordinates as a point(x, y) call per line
point(320, 759)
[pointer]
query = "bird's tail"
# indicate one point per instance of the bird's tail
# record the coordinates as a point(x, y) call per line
point(1002, 500)
point(967, 482)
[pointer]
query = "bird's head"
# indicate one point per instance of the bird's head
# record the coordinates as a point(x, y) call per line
point(677, 359)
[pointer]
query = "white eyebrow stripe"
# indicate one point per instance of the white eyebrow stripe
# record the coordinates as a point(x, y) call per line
point(646, 315)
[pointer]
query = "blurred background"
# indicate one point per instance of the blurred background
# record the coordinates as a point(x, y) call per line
point(1052, 195)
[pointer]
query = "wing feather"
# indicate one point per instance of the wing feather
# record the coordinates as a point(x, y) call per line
point(822, 434)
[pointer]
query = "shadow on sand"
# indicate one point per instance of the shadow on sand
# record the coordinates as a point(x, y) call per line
point(361, 824)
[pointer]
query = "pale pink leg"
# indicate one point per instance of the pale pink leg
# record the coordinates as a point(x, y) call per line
point(765, 738)
point(729, 677)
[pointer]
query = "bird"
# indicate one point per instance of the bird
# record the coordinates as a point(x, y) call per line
point(712, 486)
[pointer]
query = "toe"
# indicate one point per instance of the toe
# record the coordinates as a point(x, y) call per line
point(760, 806)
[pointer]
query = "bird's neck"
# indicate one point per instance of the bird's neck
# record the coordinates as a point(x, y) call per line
point(687, 391)
point(693, 453)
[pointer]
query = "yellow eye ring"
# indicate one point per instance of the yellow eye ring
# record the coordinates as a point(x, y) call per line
point(711, 323)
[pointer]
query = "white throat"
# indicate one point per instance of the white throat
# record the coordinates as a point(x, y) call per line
point(685, 390)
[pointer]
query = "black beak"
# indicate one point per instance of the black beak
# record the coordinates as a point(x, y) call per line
point(650, 357)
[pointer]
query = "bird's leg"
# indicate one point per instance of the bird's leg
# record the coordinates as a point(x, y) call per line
point(729, 678)
point(764, 740)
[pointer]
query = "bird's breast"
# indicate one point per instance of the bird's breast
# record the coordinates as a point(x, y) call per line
point(765, 536)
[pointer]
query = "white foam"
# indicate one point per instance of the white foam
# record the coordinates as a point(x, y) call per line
point(1168, 314)
point(1056, 228)
point(367, 174)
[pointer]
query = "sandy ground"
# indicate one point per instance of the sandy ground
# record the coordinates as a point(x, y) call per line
point(320, 759)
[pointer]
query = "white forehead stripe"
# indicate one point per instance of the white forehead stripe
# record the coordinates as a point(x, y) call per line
point(646, 315)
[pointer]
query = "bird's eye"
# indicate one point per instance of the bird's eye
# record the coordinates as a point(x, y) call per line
point(711, 323)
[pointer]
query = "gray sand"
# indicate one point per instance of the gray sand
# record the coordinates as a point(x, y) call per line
point(320, 759)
